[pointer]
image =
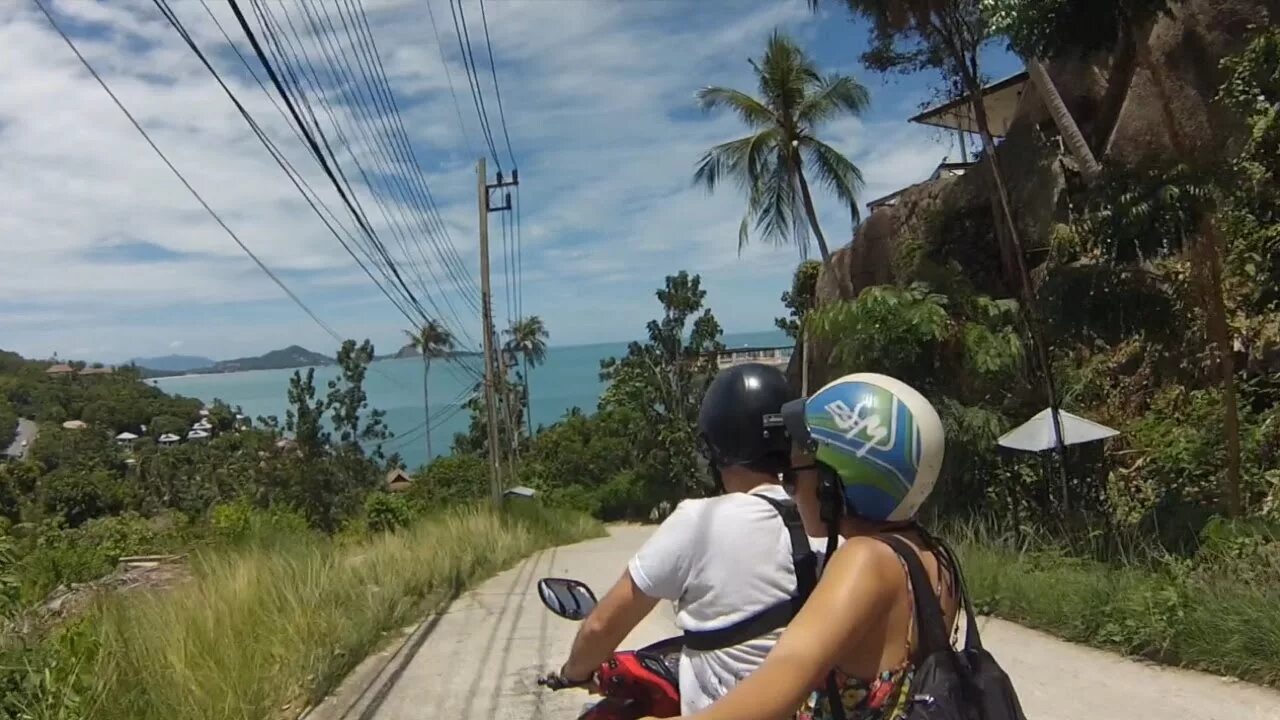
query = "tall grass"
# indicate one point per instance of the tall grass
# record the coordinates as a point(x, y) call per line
point(1218, 611)
point(261, 630)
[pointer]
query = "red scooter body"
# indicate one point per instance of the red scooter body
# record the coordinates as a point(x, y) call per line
point(635, 683)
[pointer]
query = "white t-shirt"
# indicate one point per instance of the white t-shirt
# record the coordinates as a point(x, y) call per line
point(721, 560)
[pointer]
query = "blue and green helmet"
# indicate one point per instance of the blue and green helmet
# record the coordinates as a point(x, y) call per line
point(879, 435)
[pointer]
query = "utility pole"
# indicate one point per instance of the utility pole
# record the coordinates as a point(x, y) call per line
point(491, 367)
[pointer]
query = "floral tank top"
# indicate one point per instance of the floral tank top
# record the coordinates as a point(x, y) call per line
point(887, 697)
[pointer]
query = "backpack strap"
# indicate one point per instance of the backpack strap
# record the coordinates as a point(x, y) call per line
point(930, 625)
point(805, 563)
point(972, 639)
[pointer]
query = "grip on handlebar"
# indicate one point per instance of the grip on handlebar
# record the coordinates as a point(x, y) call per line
point(555, 681)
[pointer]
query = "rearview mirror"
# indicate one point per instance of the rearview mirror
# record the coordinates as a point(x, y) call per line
point(570, 599)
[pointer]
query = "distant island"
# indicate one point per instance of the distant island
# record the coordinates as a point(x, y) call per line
point(173, 363)
point(409, 351)
point(294, 356)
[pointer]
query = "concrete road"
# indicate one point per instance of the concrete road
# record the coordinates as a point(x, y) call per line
point(26, 433)
point(480, 660)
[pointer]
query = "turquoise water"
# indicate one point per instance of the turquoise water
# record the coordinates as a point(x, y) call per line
point(569, 378)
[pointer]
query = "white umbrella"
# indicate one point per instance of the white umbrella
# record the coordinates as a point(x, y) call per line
point(1036, 434)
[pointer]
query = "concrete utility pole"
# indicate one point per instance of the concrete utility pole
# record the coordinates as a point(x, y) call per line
point(491, 366)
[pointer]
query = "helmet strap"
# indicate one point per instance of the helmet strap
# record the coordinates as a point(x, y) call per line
point(831, 506)
point(716, 478)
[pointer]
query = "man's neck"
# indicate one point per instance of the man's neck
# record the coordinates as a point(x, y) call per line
point(745, 481)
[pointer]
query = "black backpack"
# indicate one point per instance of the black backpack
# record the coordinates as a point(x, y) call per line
point(950, 684)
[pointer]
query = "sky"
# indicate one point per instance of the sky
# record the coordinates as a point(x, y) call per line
point(106, 256)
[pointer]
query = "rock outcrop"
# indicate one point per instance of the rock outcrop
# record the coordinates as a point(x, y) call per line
point(1130, 119)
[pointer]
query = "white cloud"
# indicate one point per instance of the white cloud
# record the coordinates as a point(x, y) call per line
point(114, 253)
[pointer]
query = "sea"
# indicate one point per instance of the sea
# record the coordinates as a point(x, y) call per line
point(569, 378)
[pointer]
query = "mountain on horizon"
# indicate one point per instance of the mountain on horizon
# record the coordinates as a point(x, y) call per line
point(294, 356)
point(173, 363)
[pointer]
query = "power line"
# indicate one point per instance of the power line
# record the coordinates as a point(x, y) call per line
point(473, 77)
point(497, 91)
point(402, 234)
point(295, 177)
point(444, 62)
point(315, 147)
point(212, 213)
point(410, 160)
point(519, 261)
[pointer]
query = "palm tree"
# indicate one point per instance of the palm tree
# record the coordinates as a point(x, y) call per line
point(432, 340)
point(527, 337)
point(795, 101)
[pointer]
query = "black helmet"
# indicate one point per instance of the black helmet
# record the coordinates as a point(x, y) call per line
point(740, 422)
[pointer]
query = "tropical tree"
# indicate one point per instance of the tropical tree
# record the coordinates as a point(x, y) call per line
point(527, 337)
point(431, 340)
point(795, 101)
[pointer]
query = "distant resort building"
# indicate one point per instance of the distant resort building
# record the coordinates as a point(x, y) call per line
point(126, 438)
point(203, 426)
point(60, 369)
point(96, 371)
point(168, 439)
point(775, 356)
point(75, 425)
point(198, 435)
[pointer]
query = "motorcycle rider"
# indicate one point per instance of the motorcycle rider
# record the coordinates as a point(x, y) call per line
point(733, 564)
point(852, 652)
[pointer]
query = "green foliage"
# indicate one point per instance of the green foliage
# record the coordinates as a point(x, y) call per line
point(1218, 611)
point(80, 495)
point(661, 383)
point(385, 512)
point(801, 298)
point(1048, 28)
point(8, 424)
point(316, 607)
point(452, 480)
point(9, 582)
point(794, 101)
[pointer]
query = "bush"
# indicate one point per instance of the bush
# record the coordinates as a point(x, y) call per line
point(452, 480)
point(385, 512)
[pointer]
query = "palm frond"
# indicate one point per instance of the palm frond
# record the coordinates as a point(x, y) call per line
point(835, 94)
point(750, 110)
point(775, 205)
point(741, 160)
point(836, 173)
point(786, 75)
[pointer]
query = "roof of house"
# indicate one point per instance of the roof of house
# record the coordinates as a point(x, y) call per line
point(59, 369)
point(999, 98)
point(75, 424)
point(520, 491)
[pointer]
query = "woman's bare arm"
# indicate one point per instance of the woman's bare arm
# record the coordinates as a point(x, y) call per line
point(857, 589)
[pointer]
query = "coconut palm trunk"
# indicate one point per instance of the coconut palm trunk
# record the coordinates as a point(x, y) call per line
point(426, 402)
point(812, 215)
point(1062, 118)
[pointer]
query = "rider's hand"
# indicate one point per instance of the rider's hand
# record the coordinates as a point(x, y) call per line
point(589, 684)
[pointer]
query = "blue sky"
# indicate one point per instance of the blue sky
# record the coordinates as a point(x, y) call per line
point(108, 257)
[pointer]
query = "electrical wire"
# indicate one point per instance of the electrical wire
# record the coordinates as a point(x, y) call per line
point(462, 126)
point(497, 91)
point(473, 79)
point(181, 178)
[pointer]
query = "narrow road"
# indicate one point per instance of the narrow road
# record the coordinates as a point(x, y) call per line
point(22, 439)
point(481, 658)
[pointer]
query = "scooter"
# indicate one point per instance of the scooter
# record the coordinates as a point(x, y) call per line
point(635, 683)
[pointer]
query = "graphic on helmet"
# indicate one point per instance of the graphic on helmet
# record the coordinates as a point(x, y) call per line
point(880, 436)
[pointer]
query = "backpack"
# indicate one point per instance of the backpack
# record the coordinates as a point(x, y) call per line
point(951, 684)
point(804, 561)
